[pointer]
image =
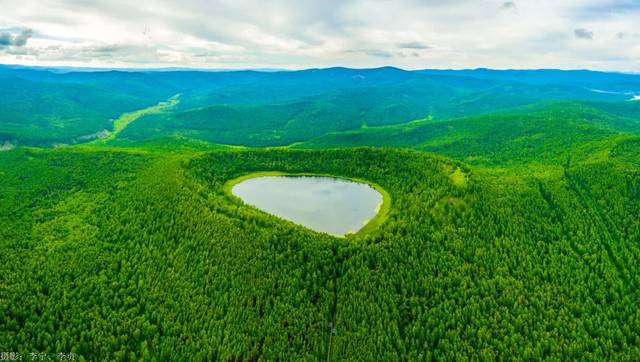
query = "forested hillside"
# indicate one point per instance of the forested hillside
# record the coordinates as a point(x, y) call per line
point(126, 255)
point(45, 107)
point(512, 233)
point(549, 134)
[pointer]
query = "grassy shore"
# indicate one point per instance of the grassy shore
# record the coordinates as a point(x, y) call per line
point(383, 208)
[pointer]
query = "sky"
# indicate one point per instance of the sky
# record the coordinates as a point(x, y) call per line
point(240, 34)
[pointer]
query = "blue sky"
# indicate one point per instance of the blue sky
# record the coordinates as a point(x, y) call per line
point(567, 34)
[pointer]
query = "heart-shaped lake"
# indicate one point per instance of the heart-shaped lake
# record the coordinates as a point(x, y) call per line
point(332, 205)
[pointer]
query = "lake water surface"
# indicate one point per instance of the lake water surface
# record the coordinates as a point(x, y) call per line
point(326, 204)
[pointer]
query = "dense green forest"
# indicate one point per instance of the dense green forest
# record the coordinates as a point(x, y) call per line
point(253, 108)
point(513, 232)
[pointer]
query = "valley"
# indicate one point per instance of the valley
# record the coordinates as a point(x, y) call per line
point(126, 119)
point(397, 215)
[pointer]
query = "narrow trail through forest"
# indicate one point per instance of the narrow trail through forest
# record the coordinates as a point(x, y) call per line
point(596, 218)
point(559, 217)
point(334, 308)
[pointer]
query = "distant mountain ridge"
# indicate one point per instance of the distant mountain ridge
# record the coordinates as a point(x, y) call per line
point(47, 106)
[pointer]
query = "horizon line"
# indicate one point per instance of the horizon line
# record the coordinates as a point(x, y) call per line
point(89, 68)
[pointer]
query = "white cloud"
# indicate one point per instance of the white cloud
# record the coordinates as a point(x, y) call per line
point(308, 33)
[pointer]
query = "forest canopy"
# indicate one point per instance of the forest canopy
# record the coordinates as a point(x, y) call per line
point(512, 232)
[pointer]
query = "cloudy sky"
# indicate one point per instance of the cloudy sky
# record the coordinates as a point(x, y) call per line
point(568, 34)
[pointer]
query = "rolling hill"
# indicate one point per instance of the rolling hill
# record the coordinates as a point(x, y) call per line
point(278, 108)
point(512, 231)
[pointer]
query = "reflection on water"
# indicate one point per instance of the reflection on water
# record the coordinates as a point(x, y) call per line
point(326, 204)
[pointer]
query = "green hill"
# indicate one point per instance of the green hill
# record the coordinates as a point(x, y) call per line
point(136, 255)
point(548, 134)
point(42, 107)
point(512, 231)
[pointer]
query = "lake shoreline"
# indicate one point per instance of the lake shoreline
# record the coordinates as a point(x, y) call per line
point(373, 224)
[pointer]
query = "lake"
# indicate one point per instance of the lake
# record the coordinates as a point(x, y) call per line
point(326, 204)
